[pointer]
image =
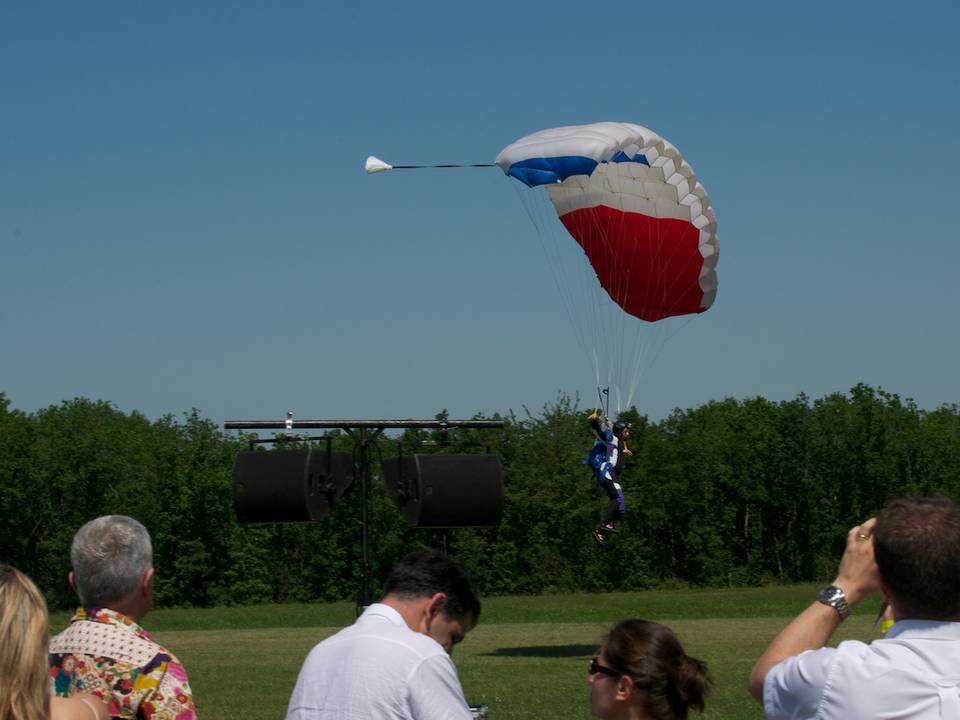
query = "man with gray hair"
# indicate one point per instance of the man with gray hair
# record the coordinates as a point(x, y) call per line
point(104, 651)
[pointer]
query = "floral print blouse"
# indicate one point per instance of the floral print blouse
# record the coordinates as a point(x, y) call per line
point(106, 653)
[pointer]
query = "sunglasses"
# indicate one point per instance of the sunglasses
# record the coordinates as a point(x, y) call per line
point(596, 667)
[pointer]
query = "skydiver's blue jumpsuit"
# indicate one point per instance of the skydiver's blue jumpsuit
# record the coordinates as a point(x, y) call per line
point(604, 460)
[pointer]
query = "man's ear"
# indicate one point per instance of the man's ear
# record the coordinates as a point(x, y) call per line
point(884, 590)
point(437, 605)
point(146, 585)
point(624, 688)
point(73, 583)
point(887, 598)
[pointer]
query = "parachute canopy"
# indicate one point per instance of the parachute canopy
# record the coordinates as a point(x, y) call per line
point(635, 207)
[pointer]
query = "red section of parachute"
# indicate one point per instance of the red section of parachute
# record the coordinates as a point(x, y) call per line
point(649, 266)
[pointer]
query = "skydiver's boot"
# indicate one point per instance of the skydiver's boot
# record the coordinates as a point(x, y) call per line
point(603, 531)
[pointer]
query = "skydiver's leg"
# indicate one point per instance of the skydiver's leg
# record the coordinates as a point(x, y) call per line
point(616, 508)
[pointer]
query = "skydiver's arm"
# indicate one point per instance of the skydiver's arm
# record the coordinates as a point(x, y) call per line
point(594, 420)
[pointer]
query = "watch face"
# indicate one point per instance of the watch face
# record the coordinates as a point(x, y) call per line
point(829, 594)
point(834, 597)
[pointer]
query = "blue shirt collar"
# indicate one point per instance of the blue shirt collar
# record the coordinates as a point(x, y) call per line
point(937, 629)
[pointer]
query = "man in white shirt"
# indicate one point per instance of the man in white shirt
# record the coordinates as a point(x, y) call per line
point(911, 553)
point(394, 661)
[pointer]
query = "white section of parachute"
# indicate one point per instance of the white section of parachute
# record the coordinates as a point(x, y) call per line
point(598, 141)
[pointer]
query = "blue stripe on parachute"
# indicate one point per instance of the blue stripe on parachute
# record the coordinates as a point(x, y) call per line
point(541, 171)
point(621, 156)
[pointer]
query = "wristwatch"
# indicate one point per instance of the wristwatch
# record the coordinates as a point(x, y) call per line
point(834, 597)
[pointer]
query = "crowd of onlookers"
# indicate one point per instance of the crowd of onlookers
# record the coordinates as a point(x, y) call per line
point(395, 661)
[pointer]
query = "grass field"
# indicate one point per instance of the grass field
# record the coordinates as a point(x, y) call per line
point(526, 659)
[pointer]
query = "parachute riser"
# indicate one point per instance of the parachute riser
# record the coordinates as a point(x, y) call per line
point(604, 404)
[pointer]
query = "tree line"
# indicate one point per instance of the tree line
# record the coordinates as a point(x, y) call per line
point(733, 492)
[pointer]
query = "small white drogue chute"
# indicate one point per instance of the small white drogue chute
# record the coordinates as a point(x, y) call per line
point(375, 165)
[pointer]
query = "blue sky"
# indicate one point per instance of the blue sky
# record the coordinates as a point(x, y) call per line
point(185, 221)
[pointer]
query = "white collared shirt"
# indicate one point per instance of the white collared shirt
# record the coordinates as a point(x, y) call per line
point(913, 672)
point(378, 668)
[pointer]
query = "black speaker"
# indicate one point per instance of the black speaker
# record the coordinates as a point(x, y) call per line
point(446, 490)
point(289, 485)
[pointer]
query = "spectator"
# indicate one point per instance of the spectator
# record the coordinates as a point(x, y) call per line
point(394, 661)
point(911, 553)
point(104, 650)
point(643, 673)
point(24, 681)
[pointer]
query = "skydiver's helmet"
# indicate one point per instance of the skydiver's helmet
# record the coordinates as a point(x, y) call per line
point(619, 426)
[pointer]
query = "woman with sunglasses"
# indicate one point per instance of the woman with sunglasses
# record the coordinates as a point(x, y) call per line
point(643, 673)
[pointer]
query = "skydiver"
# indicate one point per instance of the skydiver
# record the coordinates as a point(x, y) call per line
point(604, 460)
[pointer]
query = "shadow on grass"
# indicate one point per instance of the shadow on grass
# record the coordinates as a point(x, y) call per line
point(557, 651)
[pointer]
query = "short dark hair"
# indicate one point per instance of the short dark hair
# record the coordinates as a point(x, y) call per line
point(917, 545)
point(425, 573)
point(669, 682)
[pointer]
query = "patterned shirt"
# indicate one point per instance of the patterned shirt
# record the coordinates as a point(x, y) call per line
point(106, 653)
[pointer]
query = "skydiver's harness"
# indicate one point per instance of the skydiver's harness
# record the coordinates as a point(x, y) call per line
point(604, 456)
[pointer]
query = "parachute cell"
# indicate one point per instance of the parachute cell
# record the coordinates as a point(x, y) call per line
point(634, 206)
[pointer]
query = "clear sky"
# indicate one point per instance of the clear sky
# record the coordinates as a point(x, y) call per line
point(185, 221)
